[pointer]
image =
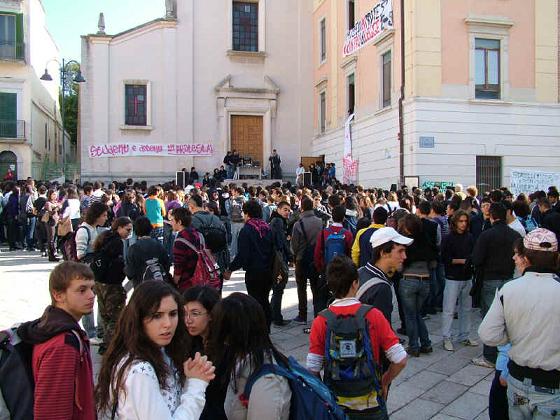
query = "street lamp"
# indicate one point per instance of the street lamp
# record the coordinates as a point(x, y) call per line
point(66, 73)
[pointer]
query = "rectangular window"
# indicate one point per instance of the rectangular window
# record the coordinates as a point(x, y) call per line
point(351, 94)
point(8, 115)
point(386, 79)
point(11, 36)
point(488, 173)
point(322, 112)
point(351, 14)
point(487, 68)
point(135, 98)
point(323, 40)
point(245, 26)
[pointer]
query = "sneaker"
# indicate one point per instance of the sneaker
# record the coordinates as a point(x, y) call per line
point(413, 352)
point(426, 349)
point(95, 341)
point(299, 320)
point(481, 361)
point(54, 259)
point(447, 344)
point(470, 343)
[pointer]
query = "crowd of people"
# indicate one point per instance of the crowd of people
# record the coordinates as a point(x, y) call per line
point(178, 350)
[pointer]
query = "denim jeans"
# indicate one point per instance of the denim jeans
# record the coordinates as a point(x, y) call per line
point(456, 295)
point(157, 233)
point(235, 229)
point(414, 293)
point(30, 232)
point(489, 288)
point(527, 401)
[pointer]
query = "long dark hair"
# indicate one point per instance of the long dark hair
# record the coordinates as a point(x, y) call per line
point(239, 333)
point(105, 235)
point(130, 343)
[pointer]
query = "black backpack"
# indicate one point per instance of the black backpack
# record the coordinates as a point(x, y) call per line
point(154, 271)
point(17, 385)
point(214, 236)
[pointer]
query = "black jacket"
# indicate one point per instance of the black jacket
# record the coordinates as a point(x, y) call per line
point(551, 221)
point(141, 251)
point(279, 227)
point(112, 250)
point(493, 252)
point(455, 246)
point(254, 253)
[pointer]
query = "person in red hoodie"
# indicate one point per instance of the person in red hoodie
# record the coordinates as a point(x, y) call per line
point(61, 361)
point(322, 244)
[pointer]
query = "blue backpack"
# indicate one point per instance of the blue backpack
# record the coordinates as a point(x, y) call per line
point(311, 398)
point(334, 245)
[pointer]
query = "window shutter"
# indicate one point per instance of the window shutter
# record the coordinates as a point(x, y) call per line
point(19, 29)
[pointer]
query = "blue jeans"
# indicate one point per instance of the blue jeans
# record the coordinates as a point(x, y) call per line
point(414, 293)
point(489, 288)
point(30, 232)
point(235, 229)
point(527, 401)
point(157, 233)
point(456, 290)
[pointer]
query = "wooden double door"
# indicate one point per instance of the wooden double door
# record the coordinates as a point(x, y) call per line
point(247, 136)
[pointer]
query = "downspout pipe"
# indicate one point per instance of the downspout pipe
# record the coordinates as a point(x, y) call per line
point(401, 100)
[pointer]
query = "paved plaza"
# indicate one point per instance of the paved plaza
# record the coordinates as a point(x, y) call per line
point(441, 385)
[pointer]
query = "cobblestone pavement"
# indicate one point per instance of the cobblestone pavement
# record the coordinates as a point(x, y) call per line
point(441, 385)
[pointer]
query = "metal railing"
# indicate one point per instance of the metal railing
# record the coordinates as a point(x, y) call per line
point(12, 50)
point(12, 129)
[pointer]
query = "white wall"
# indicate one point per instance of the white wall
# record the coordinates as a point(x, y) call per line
point(184, 64)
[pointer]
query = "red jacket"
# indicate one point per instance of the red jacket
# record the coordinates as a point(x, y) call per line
point(62, 367)
point(319, 254)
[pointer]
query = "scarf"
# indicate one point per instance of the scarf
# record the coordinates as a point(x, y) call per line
point(260, 226)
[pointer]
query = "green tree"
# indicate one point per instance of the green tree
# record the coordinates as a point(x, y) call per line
point(71, 103)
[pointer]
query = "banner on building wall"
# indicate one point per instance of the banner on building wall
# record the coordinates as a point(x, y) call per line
point(349, 165)
point(530, 181)
point(442, 185)
point(375, 22)
point(138, 149)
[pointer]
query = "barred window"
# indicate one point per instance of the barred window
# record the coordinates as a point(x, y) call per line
point(135, 113)
point(245, 26)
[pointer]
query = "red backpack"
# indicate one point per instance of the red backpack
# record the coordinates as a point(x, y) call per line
point(206, 272)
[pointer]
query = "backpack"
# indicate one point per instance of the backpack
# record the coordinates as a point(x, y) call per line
point(236, 211)
point(528, 223)
point(100, 265)
point(311, 398)
point(17, 385)
point(154, 271)
point(335, 244)
point(307, 260)
point(351, 223)
point(206, 272)
point(351, 371)
point(214, 236)
point(70, 252)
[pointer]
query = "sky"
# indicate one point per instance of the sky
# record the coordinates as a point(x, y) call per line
point(68, 19)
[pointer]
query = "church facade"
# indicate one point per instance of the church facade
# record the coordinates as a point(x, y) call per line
point(182, 90)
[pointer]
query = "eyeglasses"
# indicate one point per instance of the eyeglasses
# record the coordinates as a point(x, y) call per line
point(194, 315)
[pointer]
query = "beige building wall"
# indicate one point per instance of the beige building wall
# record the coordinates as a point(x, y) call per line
point(40, 129)
point(440, 98)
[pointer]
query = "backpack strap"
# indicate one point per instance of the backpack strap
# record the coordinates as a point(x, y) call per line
point(303, 231)
point(265, 369)
point(369, 284)
point(187, 243)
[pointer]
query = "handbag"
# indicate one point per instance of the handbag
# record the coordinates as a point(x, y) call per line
point(46, 216)
point(64, 227)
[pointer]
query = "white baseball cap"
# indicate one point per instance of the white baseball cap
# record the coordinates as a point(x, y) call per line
point(387, 234)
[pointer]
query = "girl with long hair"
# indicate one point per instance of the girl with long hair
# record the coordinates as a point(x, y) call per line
point(199, 302)
point(240, 344)
point(145, 373)
point(111, 296)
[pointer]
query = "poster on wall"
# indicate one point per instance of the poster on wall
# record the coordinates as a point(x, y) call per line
point(373, 24)
point(349, 165)
point(137, 149)
point(525, 181)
